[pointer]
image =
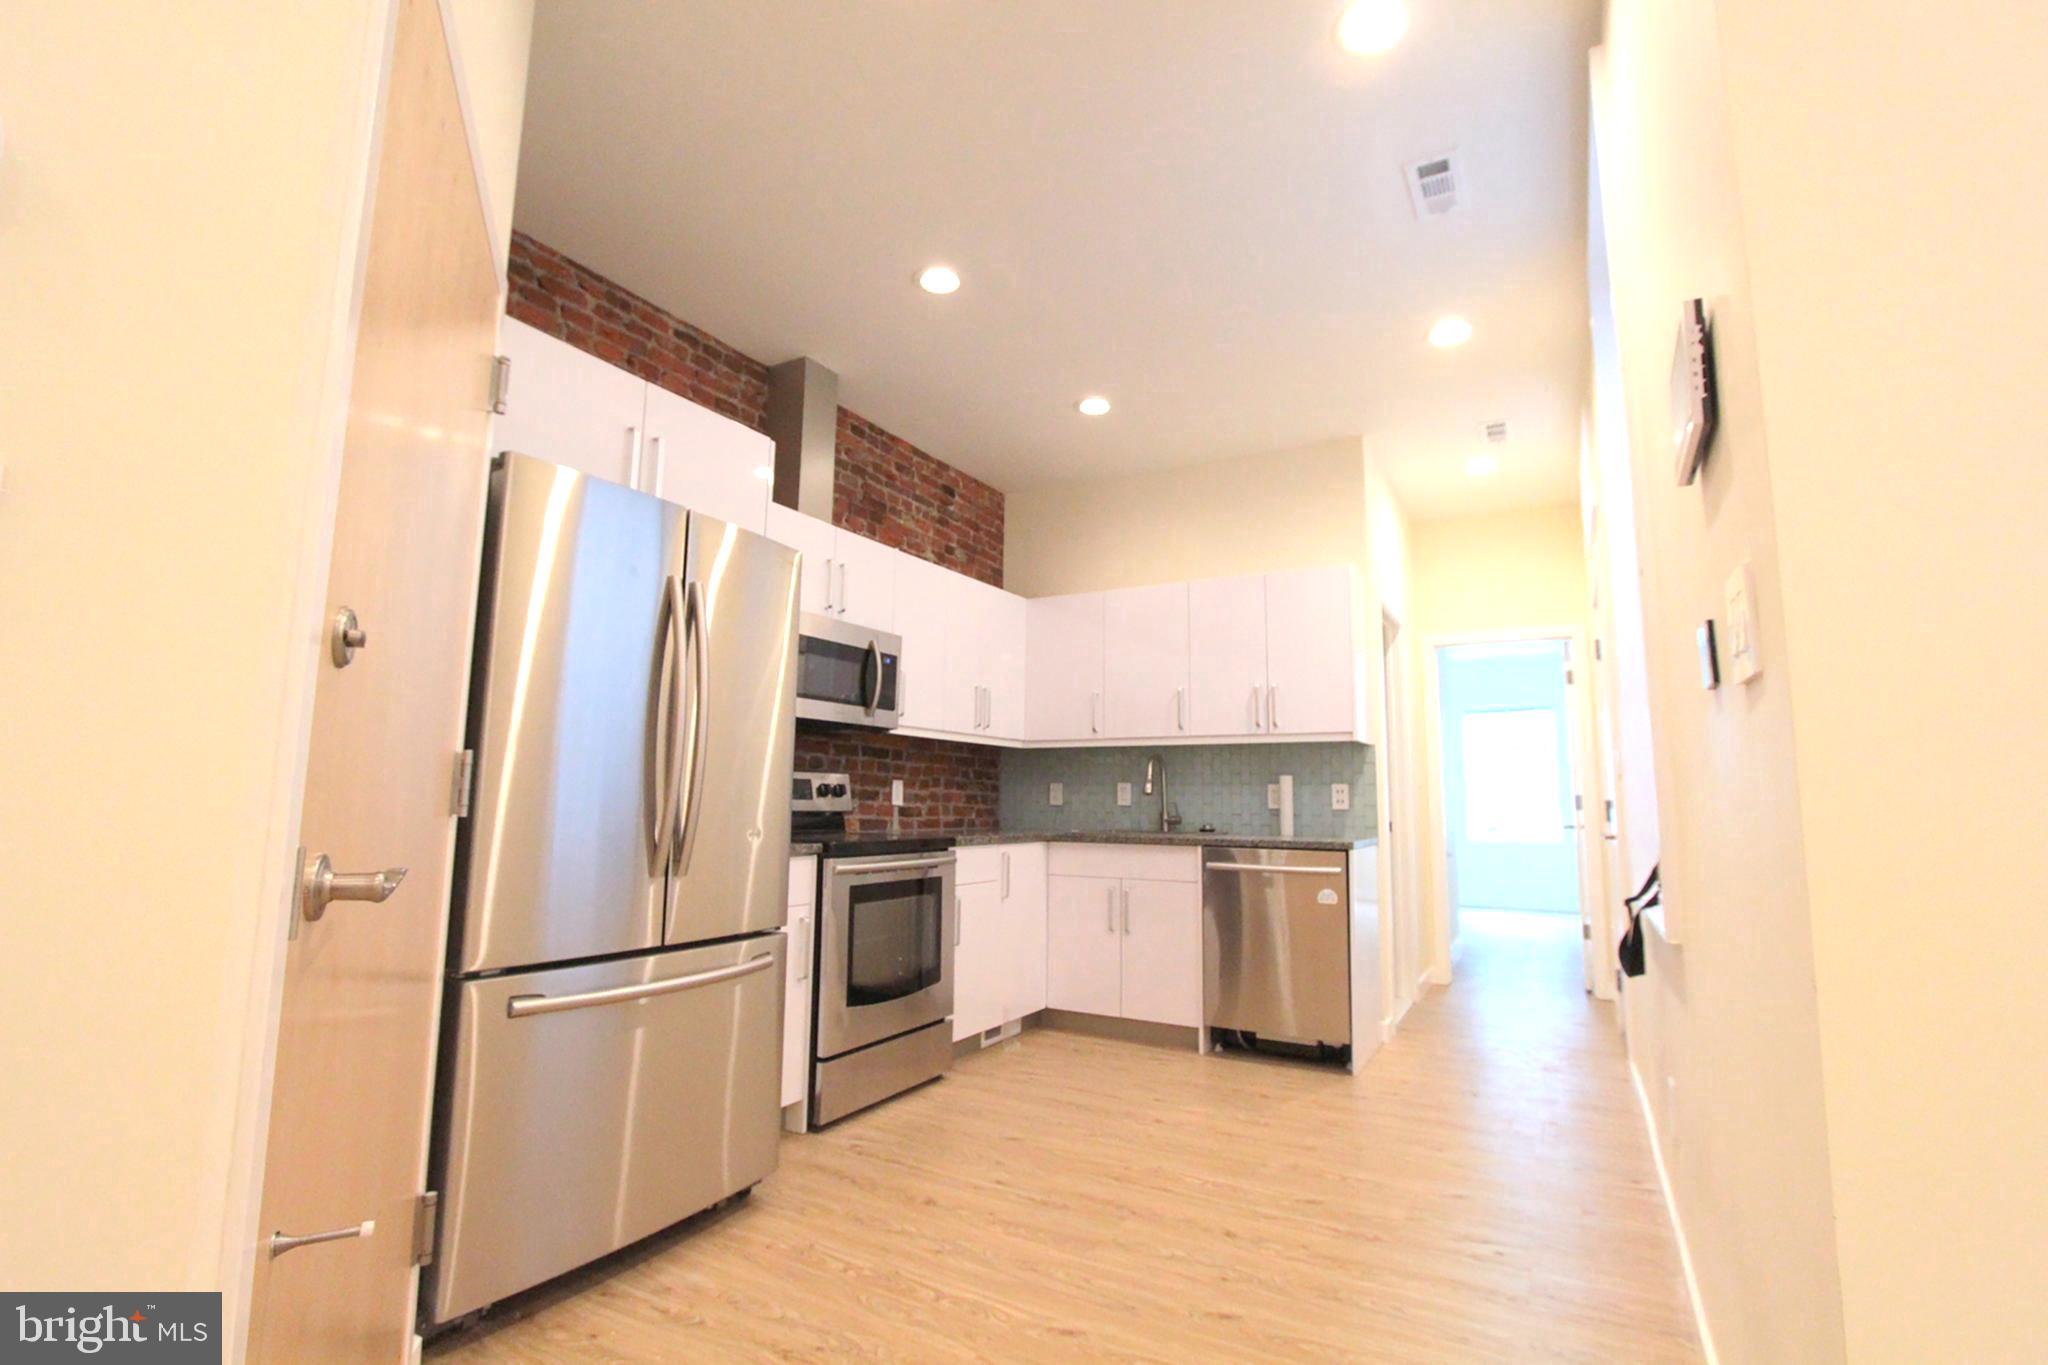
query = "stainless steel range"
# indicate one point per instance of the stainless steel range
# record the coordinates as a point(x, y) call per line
point(887, 928)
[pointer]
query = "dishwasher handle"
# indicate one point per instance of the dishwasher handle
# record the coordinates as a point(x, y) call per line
point(1262, 869)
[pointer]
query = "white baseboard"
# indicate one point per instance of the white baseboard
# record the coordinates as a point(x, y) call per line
point(1692, 1284)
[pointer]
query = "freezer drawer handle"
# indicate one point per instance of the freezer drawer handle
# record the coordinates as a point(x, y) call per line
point(520, 1006)
point(1263, 868)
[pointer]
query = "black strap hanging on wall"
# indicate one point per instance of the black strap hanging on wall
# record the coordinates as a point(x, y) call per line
point(1630, 949)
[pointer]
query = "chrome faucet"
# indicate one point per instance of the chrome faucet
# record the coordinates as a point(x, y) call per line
point(1155, 770)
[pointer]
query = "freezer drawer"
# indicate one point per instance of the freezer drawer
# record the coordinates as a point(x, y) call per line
point(587, 1107)
point(1276, 944)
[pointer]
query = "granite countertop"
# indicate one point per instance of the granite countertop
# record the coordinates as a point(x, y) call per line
point(800, 849)
point(1188, 839)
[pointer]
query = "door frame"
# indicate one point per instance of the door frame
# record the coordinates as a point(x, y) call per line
point(1578, 715)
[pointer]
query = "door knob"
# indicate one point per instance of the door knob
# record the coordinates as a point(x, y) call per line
point(319, 883)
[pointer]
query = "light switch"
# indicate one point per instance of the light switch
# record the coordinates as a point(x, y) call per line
point(896, 792)
point(1740, 645)
point(1340, 796)
point(1123, 793)
point(1056, 794)
point(1272, 796)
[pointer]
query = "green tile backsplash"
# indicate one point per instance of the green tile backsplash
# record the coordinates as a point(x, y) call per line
point(1214, 784)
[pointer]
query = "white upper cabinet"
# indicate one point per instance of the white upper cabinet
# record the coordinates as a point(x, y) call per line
point(865, 588)
point(566, 405)
point(845, 576)
point(705, 460)
point(1227, 656)
point(1145, 662)
point(1003, 706)
point(1313, 671)
point(963, 653)
point(925, 618)
point(815, 541)
point(1063, 667)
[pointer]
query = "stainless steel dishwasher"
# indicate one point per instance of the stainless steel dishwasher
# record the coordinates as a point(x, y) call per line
point(1276, 946)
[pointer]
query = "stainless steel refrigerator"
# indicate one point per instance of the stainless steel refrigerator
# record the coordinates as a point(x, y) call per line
point(611, 1063)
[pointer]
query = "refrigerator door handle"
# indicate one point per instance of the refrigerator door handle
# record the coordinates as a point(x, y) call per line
point(668, 767)
point(697, 647)
point(521, 1006)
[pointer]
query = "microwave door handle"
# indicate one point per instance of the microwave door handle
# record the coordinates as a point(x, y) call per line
point(667, 763)
point(697, 646)
point(875, 685)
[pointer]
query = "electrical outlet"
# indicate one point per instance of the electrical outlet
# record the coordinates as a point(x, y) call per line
point(1056, 794)
point(1272, 796)
point(896, 792)
point(1340, 796)
point(1123, 793)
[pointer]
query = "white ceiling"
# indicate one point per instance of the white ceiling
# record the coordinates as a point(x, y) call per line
point(1192, 206)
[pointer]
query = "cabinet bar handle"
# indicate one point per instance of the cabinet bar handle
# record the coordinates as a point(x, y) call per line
point(828, 585)
point(633, 447)
point(1112, 909)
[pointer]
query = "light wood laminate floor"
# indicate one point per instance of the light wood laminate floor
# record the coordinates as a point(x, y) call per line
point(1482, 1191)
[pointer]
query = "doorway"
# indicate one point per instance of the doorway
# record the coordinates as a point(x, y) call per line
point(1508, 734)
point(1507, 777)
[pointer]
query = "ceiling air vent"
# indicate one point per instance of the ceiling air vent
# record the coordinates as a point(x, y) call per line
point(1496, 433)
point(1436, 185)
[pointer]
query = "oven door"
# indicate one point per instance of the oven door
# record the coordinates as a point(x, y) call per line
point(847, 673)
point(885, 948)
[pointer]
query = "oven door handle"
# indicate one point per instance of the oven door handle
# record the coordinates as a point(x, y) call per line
point(905, 865)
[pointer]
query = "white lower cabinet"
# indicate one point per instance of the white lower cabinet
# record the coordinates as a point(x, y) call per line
point(999, 960)
point(1083, 945)
point(798, 985)
point(1162, 952)
point(1128, 947)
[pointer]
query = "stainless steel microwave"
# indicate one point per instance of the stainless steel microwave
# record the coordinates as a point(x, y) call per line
point(847, 674)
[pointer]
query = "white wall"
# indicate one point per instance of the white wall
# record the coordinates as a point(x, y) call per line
point(1898, 257)
point(1724, 1030)
point(1293, 509)
point(490, 41)
point(1400, 771)
point(181, 196)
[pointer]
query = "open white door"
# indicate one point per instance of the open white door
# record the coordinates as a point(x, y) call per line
point(335, 1275)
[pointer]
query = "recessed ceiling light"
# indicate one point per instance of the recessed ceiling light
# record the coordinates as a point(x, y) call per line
point(938, 279)
point(1481, 466)
point(1450, 331)
point(1370, 27)
point(1093, 406)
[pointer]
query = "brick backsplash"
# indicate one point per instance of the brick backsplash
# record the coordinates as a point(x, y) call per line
point(883, 487)
point(946, 787)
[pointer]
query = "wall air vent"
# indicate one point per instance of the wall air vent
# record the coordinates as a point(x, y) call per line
point(1436, 185)
point(1496, 433)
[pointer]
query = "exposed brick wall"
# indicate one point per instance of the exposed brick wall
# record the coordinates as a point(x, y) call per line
point(883, 487)
point(553, 293)
point(888, 490)
point(947, 788)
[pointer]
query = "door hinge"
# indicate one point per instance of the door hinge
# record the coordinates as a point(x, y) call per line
point(1585, 931)
point(1568, 679)
point(426, 1227)
point(465, 782)
point(501, 381)
point(1597, 655)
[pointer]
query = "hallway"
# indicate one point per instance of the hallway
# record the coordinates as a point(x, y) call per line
point(1484, 1191)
